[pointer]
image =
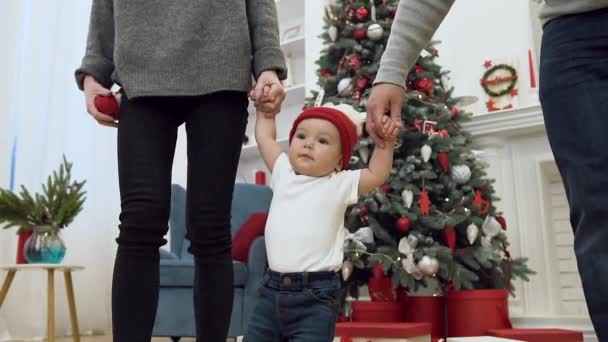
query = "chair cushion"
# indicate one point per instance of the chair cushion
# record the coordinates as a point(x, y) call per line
point(249, 231)
point(180, 273)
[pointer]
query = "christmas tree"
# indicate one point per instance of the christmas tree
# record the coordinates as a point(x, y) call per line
point(434, 218)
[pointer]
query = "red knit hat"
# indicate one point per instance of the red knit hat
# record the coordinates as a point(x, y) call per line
point(346, 128)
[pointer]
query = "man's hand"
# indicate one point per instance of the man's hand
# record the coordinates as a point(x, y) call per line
point(92, 88)
point(385, 98)
point(268, 93)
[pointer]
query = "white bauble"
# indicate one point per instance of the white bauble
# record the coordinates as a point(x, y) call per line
point(429, 266)
point(472, 233)
point(425, 152)
point(461, 174)
point(333, 33)
point(375, 32)
point(345, 87)
point(408, 197)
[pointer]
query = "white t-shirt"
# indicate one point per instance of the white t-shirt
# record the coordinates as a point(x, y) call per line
point(305, 228)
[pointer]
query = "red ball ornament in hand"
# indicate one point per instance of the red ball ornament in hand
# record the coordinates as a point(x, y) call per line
point(403, 225)
point(425, 85)
point(107, 105)
point(362, 13)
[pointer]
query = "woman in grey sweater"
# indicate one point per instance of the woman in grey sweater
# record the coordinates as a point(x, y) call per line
point(574, 99)
point(178, 62)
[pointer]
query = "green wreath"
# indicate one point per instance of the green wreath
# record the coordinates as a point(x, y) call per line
point(512, 79)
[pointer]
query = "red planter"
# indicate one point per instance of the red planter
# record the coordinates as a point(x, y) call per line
point(474, 312)
point(377, 312)
point(20, 246)
point(429, 309)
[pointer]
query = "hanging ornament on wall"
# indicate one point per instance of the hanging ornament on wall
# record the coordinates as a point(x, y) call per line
point(347, 270)
point(345, 87)
point(375, 32)
point(461, 174)
point(408, 197)
point(332, 31)
point(472, 233)
point(425, 152)
point(428, 265)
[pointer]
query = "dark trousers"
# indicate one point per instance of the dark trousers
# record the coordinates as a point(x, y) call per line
point(295, 307)
point(147, 135)
point(574, 98)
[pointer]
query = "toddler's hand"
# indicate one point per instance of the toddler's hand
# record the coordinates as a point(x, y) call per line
point(390, 129)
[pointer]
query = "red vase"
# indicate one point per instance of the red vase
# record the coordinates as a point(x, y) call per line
point(426, 309)
point(20, 244)
point(474, 312)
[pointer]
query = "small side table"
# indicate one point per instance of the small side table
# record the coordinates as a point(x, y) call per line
point(69, 287)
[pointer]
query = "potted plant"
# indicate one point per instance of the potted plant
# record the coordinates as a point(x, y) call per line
point(44, 214)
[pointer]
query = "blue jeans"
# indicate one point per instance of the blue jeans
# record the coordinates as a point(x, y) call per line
point(296, 307)
point(574, 98)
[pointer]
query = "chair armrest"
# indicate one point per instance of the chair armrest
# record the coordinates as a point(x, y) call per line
point(165, 254)
point(257, 264)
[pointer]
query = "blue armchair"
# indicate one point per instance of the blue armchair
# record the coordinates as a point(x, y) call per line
point(175, 315)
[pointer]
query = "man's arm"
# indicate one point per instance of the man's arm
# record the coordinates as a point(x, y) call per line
point(415, 23)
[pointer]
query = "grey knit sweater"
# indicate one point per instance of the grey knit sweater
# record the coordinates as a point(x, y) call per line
point(181, 47)
point(417, 20)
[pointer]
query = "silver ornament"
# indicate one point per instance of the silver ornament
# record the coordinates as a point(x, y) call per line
point(428, 265)
point(333, 33)
point(408, 197)
point(345, 87)
point(375, 32)
point(347, 270)
point(461, 174)
point(472, 233)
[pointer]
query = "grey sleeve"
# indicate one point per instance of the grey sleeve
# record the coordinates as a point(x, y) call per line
point(265, 42)
point(415, 23)
point(98, 59)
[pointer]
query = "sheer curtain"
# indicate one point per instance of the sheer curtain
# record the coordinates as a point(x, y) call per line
point(43, 117)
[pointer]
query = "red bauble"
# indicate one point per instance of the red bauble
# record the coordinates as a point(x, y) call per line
point(362, 13)
point(444, 133)
point(325, 73)
point(425, 85)
point(362, 83)
point(107, 105)
point(502, 221)
point(419, 69)
point(360, 33)
point(444, 161)
point(449, 237)
point(403, 225)
point(363, 211)
point(385, 188)
point(455, 113)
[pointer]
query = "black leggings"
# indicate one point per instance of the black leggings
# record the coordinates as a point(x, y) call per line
point(147, 133)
